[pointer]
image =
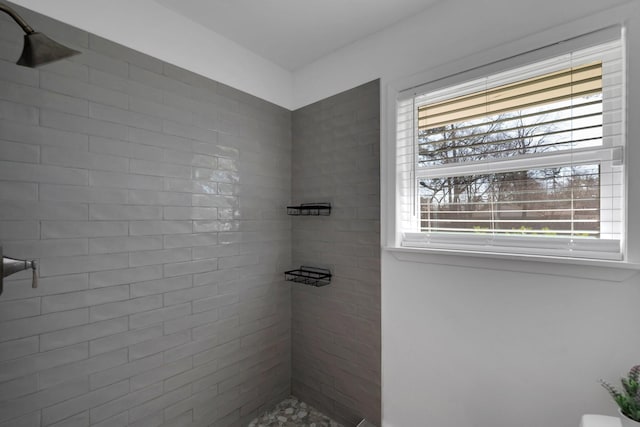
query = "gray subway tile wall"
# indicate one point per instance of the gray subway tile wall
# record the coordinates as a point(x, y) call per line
point(336, 328)
point(153, 200)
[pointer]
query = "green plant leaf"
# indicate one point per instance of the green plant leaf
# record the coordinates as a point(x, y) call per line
point(628, 398)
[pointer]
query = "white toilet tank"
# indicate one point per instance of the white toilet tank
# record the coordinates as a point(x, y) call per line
point(599, 421)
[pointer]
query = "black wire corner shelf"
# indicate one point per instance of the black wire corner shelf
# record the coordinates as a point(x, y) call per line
point(309, 276)
point(310, 209)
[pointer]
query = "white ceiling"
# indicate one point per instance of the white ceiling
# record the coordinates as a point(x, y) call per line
point(295, 33)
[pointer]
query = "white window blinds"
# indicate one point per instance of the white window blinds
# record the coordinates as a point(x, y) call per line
point(527, 161)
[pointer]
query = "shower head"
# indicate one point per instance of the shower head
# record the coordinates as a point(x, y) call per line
point(38, 49)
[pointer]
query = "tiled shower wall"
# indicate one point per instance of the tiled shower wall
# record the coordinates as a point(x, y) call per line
point(336, 328)
point(153, 200)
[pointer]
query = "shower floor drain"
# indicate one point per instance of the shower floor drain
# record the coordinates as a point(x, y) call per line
point(293, 413)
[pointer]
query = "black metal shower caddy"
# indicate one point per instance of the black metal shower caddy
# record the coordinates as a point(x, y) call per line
point(312, 276)
point(310, 209)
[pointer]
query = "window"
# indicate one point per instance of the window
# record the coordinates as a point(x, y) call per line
point(528, 160)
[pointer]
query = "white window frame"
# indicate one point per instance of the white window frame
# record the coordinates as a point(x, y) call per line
point(398, 240)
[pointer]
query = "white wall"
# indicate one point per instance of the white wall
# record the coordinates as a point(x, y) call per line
point(480, 347)
point(150, 28)
point(493, 343)
point(445, 32)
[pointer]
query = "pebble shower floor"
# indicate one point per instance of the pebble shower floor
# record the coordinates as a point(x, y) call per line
point(293, 413)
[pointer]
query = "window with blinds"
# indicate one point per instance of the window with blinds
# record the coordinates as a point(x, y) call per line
point(526, 161)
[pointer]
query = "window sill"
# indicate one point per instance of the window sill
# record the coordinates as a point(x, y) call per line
point(613, 271)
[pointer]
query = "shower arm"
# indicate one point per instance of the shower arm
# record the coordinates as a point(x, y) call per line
point(14, 15)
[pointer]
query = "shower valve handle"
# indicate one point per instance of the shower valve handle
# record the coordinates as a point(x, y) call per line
point(34, 279)
point(10, 266)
